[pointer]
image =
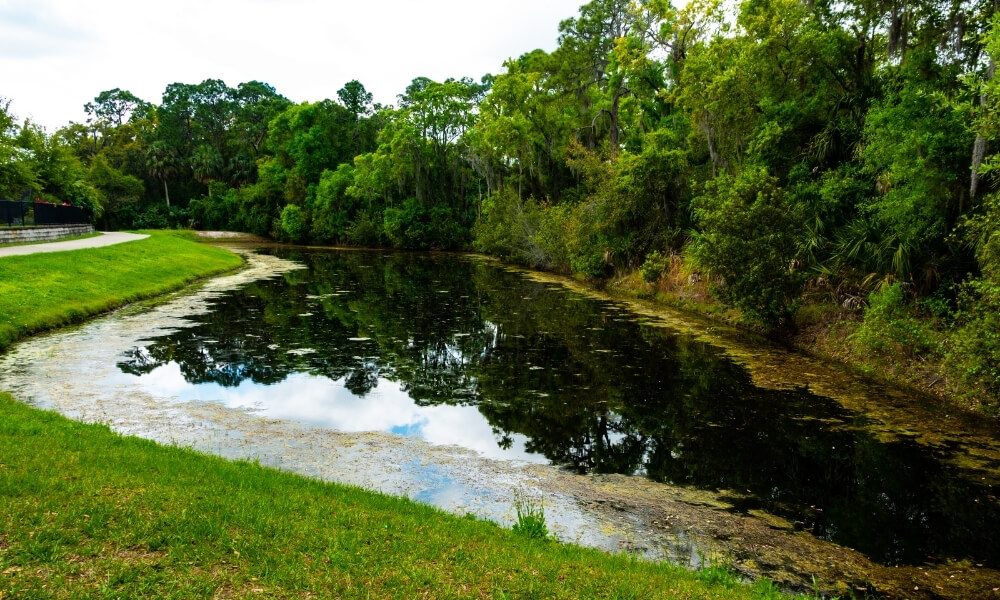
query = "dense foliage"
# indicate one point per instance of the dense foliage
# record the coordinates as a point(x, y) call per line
point(778, 145)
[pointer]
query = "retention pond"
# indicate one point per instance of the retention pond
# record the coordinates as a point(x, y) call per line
point(458, 382)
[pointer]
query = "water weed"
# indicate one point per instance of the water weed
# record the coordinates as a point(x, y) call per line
point(530, 516)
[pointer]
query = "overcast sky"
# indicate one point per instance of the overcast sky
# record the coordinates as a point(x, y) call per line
point(56, 55)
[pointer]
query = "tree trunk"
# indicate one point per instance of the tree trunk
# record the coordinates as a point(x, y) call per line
point(979, 148)
point(166, 192)
point(613, 134)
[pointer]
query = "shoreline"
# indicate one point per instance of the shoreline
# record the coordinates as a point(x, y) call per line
point(648, 517)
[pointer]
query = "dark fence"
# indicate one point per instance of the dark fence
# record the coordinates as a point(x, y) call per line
point(40, 213)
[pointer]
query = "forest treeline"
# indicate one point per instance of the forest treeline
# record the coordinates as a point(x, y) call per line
point(777, 148)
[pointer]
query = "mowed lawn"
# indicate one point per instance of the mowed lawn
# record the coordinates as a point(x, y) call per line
point(86, 513)
point(43, 291)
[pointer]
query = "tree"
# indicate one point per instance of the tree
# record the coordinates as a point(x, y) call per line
point(117, 190)
point(915, 148)
point(311, 137)
point(358, 101)
point(356, 98)
point(747, 244)
point(162, 163)
point(214, 107)
point(206, 162)
point(15, 173)
point(257, 104)
point(334, 208)
point(114, 108)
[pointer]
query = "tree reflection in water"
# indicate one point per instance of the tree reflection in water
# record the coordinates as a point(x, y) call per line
point(592, 389)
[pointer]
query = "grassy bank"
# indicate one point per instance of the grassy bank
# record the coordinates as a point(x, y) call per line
point(890, 339)
point(44, 291)
point(87, 513)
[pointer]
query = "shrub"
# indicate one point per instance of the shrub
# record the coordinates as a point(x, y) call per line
point(569, 238)
point(653, 267)
point(889, 326)
point(417, 227)
point(216, 211)
point(974, 355)
point(153, 216)
point(507, 227)
point(293, 223)
point(747, 242)
point(365, 230)
point(974, 352)
point(333, 208)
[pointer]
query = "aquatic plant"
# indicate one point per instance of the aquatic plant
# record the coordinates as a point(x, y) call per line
point(530, 517)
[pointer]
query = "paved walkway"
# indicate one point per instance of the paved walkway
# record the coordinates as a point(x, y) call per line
point(105, 239)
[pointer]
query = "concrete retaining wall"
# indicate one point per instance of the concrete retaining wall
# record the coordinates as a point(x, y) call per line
point(43, 234)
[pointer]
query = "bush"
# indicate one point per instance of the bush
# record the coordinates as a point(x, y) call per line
point(216, 211)
point(653, 267)
point(747, 242)
point(414, 226)
point(366, 230)
point(507, 228)
point(334, 207)
point(889, 327)
point(569, 238)
point(293, 223)
point(973, 355)
point(153, 216)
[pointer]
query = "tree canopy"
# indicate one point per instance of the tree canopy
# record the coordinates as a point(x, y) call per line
point(776, 145)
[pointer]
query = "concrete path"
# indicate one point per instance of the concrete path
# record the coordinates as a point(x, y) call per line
point(105, 239)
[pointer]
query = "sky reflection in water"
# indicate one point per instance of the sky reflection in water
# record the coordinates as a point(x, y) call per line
point(322, 402)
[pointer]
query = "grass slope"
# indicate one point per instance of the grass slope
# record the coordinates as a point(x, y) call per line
point(44, 291)
point(87, 513)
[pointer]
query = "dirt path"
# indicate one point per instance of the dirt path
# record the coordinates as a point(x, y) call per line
point(105, 239)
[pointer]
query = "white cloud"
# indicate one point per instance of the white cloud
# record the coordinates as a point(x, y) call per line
point(56, 55)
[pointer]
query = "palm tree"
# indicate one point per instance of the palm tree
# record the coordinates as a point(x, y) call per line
point(206, 163)
point(161, 161)
point(240, 169)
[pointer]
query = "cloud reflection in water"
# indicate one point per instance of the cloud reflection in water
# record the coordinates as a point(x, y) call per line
point(322, 402)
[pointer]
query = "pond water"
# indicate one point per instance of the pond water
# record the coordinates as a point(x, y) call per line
point(453, 351)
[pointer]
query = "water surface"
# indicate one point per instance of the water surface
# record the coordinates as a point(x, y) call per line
point(457, 352)
point(460, 352)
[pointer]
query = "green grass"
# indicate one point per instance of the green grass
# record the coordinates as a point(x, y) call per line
point(44, 291)
point(87, 513)
point(65, 239)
